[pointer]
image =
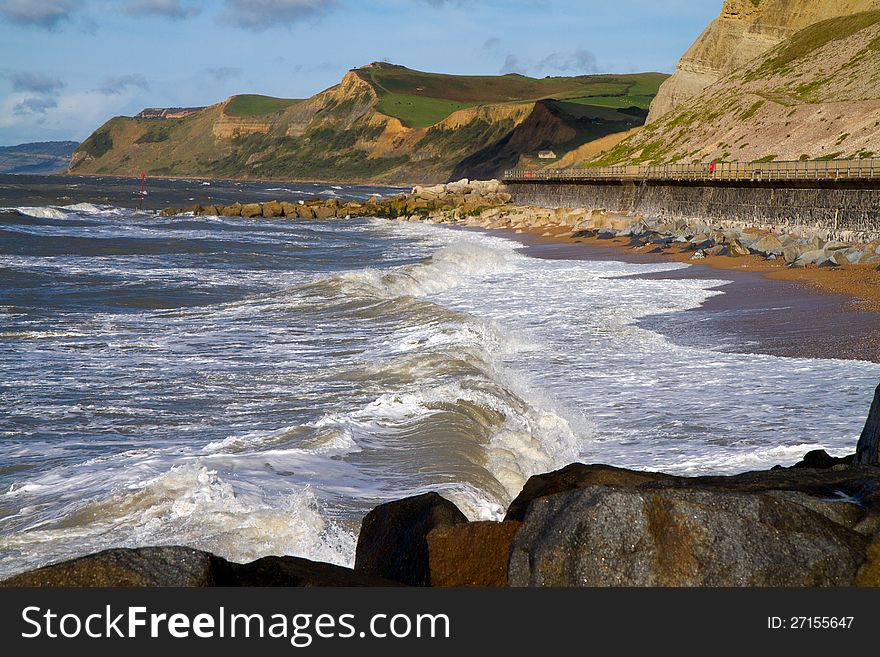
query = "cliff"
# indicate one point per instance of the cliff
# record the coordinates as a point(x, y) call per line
point(810, 92)
point(382, 123)
point(745, 30)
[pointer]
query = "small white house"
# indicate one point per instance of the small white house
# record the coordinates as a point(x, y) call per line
point(546, 155)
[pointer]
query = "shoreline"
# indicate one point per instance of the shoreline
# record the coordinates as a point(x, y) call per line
point(778, 315)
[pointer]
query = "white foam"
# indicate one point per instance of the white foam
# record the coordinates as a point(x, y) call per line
point(43, 212)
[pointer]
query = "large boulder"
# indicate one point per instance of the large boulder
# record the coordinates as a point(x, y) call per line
point(393, 540)
point(289, 209)
point(251, 210)
point(210, 211)
point(233, 210)
point(769, 244)
point(868, 448)
point(812, 478)
point(470, 554)
point(324, 212)
point(140, 567)
point(305, 212)
point(672, 536)
point(294, 571)
point(272, 209)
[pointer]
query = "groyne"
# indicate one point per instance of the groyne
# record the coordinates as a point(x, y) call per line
point(847, 210)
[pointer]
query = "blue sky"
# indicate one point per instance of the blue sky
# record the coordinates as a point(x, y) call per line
point(66, 66)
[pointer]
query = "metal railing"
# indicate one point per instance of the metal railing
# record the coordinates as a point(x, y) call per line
point(860, 169)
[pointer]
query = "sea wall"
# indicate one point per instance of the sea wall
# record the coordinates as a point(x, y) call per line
point(832, 211)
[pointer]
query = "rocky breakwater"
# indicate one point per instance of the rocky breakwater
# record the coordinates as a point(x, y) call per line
point(814, 524)
point(450, 202)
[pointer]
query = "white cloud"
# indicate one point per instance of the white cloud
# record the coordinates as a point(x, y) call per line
point(175, 9)
point(47, 14)
point(264, 14)
point(35, 82)
point(119, 83)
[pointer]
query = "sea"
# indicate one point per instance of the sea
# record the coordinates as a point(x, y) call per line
point(254, 387)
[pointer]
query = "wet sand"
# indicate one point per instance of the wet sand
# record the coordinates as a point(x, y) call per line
point(766, 308)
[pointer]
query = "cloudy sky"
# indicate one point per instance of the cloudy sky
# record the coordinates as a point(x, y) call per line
point(66, 66)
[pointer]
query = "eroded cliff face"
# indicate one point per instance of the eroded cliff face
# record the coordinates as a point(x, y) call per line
point(745, 30)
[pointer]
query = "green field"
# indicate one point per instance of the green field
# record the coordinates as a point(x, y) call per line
point(422, 99)
point(418, 111)
point(255, 105)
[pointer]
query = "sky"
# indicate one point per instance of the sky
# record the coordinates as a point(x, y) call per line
point(67, 66)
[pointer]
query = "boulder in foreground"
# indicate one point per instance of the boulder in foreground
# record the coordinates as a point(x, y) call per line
point(676, 536)
point(186, 567)
point(393, 540)
point(470, 554)
point(141, 567)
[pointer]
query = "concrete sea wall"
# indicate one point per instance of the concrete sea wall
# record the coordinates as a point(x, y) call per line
point(847, 212)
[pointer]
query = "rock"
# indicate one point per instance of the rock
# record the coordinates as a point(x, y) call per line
point(736, 249)
point(793, 252)
point(573, 477)
point(857, 482)
point(869, 574)
point(810, 257)
point(839, 258)
point(822, 460)
point(251, 210)
point(393, 540)
point(289, 209)
point(305, 212)
point(769, 244)
point(272, 209)
point(233, 210)
point(150, 566)
point(324, 212)
point(868, 448)
point(170, 212)
point(602, 536)
point(699, 255)
point(294, 571)
point(460, 187)
point(470, 554)
point(210, 211)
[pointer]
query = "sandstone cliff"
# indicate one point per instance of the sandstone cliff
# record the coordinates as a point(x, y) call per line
point(810, 93)
point(746, 29)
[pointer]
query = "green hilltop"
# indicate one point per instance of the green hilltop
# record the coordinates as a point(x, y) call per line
point(382, 123)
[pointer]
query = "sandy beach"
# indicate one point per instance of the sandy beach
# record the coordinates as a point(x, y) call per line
point(766, 308)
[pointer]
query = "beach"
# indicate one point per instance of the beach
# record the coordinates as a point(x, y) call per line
point(807, 313)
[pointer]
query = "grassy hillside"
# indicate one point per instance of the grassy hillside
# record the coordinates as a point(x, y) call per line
point(422, 99)
point(816, 95)
point(382, 123)
point(254, 105)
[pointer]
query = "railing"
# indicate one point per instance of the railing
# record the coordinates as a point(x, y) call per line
point(861, 169)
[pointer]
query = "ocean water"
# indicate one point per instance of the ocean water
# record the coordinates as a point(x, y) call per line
point(254, 387)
